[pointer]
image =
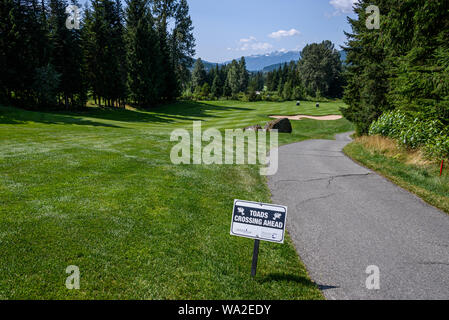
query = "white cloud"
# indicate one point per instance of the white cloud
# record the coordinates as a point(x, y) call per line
point(261, 46)
point(283, 33)
point(251, 43)
point(344, 6)
point(250, 39)
point(256, 46)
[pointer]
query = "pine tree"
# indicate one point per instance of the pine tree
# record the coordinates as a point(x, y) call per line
point(233, 78)
point(11, 17)
point(104, 46)
point(66, 55)
point(404, 65)
point(319, 67)
point(120, 70)
point(23, 48)
point(217, 88)
point(182, 43)
point(366, 72)
point(165, 10)
point(243, 76)
point(143, 55)
point(88, 48)
point(198, 75)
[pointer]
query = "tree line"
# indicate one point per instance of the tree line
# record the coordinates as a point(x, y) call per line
point(403, 66)
point(317, 74)
point(224, 81)
point(117, 56)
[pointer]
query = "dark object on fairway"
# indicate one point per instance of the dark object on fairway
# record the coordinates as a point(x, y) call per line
point(257, 127)
point(298, 103)
point(317, 105)
point(282, 125)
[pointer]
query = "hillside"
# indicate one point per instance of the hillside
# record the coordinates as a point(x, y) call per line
point(269, 61)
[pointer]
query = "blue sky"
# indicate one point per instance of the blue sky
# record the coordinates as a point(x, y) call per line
point(227, 29)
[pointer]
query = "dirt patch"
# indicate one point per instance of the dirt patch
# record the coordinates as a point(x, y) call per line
point(301, 116)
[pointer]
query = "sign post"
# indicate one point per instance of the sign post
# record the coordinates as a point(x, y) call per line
point(255, 258)
point(258, 221)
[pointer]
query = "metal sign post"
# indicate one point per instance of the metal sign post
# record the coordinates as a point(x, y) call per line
point(258, 221)
point(255, 258)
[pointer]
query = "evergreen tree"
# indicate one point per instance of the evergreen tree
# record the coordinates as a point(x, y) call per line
point(23, 48)
point(88, 44)
point(105, 45)
point(233, 78)
point(287, 90)
point(143, 55)
point(217, 87)
point(120, 70)
point(366, 72)
point(269, 81)
point(164, 10)
point(243, 75)
point(198, 75)
point(404, 65)
point(66, 55)
point(183, 43)
point(319, 67)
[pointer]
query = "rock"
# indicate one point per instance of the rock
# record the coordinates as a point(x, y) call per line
point(282, 125)
point(253, 128)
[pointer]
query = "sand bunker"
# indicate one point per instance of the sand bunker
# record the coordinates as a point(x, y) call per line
point(301, 116)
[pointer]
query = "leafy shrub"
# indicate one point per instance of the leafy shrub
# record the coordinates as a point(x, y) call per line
point(414, 131)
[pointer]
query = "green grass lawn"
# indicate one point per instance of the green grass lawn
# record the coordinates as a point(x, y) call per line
point(96, 189)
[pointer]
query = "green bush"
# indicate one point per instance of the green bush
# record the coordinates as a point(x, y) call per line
point(414, 131)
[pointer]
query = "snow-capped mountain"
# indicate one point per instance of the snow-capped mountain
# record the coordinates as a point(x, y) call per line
point(260, 61)
point(268, 61)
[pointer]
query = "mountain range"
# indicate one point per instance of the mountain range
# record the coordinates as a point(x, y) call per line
point(269, 61)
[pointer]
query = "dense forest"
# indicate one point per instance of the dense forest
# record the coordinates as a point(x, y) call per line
point(398, 75)
point(395, 81)
point(117, 55)
point(317, 75)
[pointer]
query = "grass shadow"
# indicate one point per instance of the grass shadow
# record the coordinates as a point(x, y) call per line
point(179, 111)
point(122, 115)
point(195, 109)
point(10, 115)
point(276, 277)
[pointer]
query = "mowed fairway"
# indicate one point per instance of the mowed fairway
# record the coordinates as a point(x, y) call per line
point(97, 190)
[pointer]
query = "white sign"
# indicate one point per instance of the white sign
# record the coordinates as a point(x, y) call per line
point(259, 221)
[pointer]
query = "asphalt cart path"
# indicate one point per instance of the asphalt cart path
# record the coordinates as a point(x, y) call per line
point(344, 218)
